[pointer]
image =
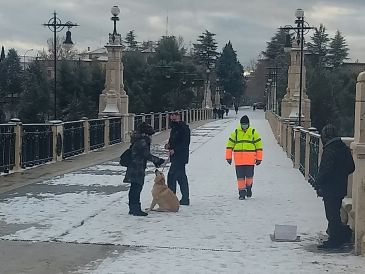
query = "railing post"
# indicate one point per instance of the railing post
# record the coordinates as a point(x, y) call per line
point(307, 154)
point(285, 135)
point(288, 138)
point(167, 120)
point(57, 133)
point(86, 127)
point(297, 146)
point(143, 117)
point(152, 120)
point(18, 143)
point(106, 131)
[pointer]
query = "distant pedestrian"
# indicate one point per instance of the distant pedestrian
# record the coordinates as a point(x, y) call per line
point(246, 146)
point(215, 113)
point(140, 154)
point(221, 112)
point(331, 184)
point(236, 108)
point(227, 111)
point(178, 146)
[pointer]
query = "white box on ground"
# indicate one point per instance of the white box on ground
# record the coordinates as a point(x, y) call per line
point(285, 233)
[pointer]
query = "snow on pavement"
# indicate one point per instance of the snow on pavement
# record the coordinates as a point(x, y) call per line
point(217, 233)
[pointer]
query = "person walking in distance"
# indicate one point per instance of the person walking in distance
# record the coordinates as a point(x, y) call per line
point(178, 146)
point(331, 184)
point(246, 146)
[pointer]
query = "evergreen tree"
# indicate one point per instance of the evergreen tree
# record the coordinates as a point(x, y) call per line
point(168, 50)
point(13, 84)
point(2, 55)
point(130, 40)
point(35, 101)
point(230, 72)
point(319, 45)
point(275, 48)
point(205, 50)
point(338, 50)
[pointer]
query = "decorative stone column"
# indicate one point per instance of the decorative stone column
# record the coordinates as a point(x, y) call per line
point(114, 100)
point(358, 147)
point(290, 102)
point(207, 101)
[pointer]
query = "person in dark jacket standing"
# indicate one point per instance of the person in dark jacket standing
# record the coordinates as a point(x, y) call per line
point(141, 141)
point(331, 184)
point(178, 147)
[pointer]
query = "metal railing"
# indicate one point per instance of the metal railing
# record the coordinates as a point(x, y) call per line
point(313, 157)
point(302, 151)
point(28, 145)
point(97, 128)
point(292, 152)
point(37, 144)
point(73, 138)
point(7, 148)
point(115, 131)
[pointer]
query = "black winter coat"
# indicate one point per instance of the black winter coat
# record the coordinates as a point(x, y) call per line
point(179, 141)
point(140, 155)
point(335, 167)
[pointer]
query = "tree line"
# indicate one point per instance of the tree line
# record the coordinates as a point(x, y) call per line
point(158, 76)
point(331, 86)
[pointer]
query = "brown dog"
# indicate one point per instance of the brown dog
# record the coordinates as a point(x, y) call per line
point(163, 196)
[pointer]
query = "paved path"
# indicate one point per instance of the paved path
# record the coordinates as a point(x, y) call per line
point(78, 222)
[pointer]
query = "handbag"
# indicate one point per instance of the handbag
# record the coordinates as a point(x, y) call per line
point(126, 158)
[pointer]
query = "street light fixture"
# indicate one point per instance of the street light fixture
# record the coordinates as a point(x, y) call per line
point(55, 25)
point(299, 30)
point(24, 57)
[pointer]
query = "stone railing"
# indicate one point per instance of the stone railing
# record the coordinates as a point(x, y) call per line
point(28, 145)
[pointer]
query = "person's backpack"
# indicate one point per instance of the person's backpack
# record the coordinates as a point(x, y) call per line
point(126, 158)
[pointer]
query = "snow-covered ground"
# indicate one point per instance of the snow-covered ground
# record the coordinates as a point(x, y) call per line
point(217, 233)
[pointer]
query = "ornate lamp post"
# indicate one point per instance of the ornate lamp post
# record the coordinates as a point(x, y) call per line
point(55, 25)
point(300, 30)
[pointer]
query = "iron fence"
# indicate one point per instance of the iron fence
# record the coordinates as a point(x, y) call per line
point(97, 129)
point(163, 121)
point(313, 157)
point(137, 120)
point(156, 123)
point(73, 138)
point(115, 130)
point(148, 119)
point(37, 145)
point(302, 151)
point(7, 148)
point(292, 153)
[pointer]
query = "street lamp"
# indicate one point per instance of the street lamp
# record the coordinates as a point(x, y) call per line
point(299, 30)
point(24, 58)
point(55, 25)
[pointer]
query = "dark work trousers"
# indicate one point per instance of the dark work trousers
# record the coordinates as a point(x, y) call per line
point(332, 206)
point(177, 173)
point(244, 176)
point(134, 194)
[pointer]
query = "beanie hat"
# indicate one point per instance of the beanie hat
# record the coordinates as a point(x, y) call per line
point(145, 128)
point(329, 132)
point(244, 120)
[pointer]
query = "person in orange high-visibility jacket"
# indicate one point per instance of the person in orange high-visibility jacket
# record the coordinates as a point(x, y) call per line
point(246, 146)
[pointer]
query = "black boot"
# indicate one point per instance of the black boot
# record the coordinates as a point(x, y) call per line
point(135, 210)
point(242, 194)
point(184, 201)
point(249, 191)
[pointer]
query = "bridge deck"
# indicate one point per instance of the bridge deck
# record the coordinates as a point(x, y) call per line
point(217, 233)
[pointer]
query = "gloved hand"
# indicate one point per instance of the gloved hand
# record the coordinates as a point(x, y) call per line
point(229, 161)
point(159, 163)
point(258, 162)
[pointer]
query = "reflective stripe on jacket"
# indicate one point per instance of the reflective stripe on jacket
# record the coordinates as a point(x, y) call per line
point(246, 145)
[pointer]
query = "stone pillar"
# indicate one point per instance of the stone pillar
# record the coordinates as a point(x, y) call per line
point(152, 120)
point(86, 126)
point(297, 146)
point(57, 132)
point(207, 101)
point(358, 147)
point(18, 130)
point(160, 123)
point(167, 119)
point(290, 102)
point(106, 131)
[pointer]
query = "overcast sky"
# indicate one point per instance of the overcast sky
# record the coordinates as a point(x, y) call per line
point(249, 24)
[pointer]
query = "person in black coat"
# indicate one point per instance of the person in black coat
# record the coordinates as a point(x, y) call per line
point(140, 154)
point(178, 146)
point(331, 184)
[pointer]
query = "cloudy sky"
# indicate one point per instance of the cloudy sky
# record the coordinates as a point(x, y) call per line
point(249, 24)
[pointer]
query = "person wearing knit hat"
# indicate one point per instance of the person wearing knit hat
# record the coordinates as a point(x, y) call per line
point(331, 184)
point(246, 147)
